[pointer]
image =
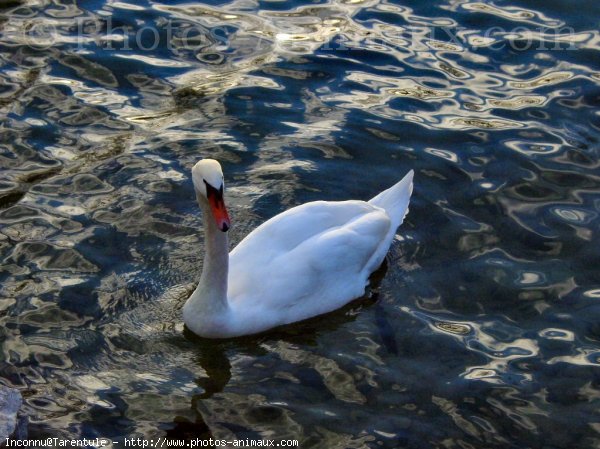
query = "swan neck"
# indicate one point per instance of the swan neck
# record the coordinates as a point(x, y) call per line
point(216, 259)
point(206, 310)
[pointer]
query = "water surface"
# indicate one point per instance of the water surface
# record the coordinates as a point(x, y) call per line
point(484, 331)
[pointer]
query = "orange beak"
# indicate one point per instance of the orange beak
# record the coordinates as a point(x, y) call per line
point(217, 206)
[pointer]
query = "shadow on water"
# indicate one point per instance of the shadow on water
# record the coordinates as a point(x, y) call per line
point(213, 354)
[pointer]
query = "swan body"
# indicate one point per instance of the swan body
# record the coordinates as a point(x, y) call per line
point(306, 261)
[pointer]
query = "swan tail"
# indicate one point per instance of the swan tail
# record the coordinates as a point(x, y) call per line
point(395, 199)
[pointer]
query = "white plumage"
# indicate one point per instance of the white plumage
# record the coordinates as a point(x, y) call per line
point(304, 262)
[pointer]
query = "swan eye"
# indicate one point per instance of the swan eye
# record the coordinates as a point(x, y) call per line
point(210, 190)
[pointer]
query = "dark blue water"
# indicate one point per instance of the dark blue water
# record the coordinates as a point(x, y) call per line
point(484, 330)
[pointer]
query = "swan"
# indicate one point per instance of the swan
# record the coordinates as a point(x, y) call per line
point(306, 261)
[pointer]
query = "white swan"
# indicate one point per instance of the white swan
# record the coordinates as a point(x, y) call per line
point(304, 262)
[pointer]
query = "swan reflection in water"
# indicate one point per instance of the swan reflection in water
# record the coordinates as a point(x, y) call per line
point(213, 357)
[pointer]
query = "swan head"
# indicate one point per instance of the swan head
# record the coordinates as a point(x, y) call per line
point(210, 186)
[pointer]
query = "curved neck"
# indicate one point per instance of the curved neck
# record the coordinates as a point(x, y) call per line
point(210, 297)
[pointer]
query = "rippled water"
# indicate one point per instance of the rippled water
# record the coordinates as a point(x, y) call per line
point(485, 329)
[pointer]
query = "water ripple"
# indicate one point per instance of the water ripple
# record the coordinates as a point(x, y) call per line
point(483, 331)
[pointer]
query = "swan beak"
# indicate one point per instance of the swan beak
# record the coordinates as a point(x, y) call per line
point(219, 211)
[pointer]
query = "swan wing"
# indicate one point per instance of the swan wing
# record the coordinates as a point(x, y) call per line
point(306, 261)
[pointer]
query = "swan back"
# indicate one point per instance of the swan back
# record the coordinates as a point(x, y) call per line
point(309, 260)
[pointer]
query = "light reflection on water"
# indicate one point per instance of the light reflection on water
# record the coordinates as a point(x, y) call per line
point(482, 333)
